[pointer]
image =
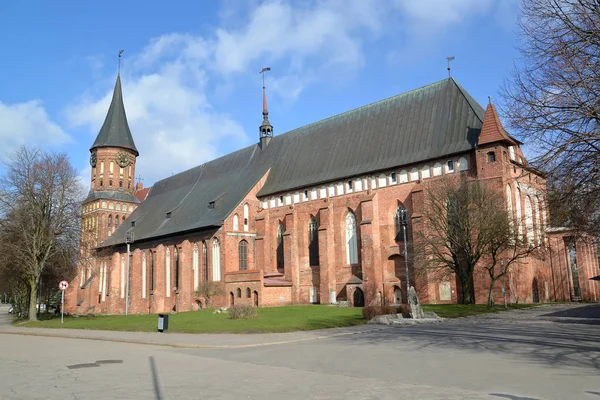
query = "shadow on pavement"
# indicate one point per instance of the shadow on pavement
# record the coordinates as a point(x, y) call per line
point(511, 397)
point(546, 343)
point(591, 311)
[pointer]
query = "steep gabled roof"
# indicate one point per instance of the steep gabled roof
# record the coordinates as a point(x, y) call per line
point(115, 130)
point(492, 130)
point(427, 123)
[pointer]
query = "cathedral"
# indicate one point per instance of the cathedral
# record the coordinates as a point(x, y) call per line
point(311, 216)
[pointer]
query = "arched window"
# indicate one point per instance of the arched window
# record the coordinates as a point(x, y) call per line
point(176, 267)
point(463, 164)
point(204, 261)
point(216, 260)
point(110, 182)
point(239, 293)
point(280, 252)
point(509, 207)
point(168, 272)
point(400, 217)
point(351, 240)
point(109, 220)
point(518, 210)
point(425, 172)
point(414, 174)
point(235, 223)
point(543, 224)
point(382, 181)
point(151, 272)
point(313, 242)
point(248, 293)
point(243, 255)
point(195, 263)
point(116, 220)
point(246, 216)
point(529, 220)
point(403, 176)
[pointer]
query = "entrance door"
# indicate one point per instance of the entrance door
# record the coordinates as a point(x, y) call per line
point(397, 295)
point(359, 298)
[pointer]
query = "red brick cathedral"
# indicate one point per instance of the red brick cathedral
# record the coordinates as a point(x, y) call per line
point(310, 216)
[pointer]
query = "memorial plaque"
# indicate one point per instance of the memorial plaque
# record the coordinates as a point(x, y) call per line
point(445, 291)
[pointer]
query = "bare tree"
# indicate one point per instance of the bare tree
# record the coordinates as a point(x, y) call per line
point(40, 201)
point(208, 290)
point(553, 100)
point(465, 224)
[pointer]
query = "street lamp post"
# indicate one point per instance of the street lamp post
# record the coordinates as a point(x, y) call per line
point(404, 223)
point(128, 240)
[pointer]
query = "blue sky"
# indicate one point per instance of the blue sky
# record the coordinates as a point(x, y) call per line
point(190, 68)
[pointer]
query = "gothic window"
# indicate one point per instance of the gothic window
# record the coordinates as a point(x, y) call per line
point(176, 266)
point(538, 225)
point(216, 260)
point(463, 164)
point(280, 253)
point(437, 169)
point(205, 261)
point(195, 266)
point(399, 216)
point(110, 220)
point(403, 176)
point(425, 172)
point(101, 182)
point(529, 220)
point(382, 181)
point(151, 271)
point(239, 293)
point(351, 239)
point(116, 220)
point(414, 174)
point(243, 254)
point(518, 210)
point(313, 242)
point(110, 182)
point(120, 183)
point(235, 223)
point(246, 216)
point(248, 293)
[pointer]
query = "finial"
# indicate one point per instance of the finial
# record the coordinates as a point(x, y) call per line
point(262, 72)
point(120, 52)
point(139, 178)
point(489, 99)
point(449, 59)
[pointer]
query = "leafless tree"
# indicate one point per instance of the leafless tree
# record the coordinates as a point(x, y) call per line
point(465, 224)
point(553, 100)
point(40, 202)
point(208, 290)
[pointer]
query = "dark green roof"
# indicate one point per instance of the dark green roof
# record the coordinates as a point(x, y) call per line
point(115, 130)
point(427, 123)
point(111, 195)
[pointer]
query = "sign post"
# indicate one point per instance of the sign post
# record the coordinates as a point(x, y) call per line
point(63, 285)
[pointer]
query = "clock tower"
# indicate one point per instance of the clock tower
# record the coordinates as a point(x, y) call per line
point(112, 188)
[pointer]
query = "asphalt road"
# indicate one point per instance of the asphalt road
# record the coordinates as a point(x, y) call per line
point(550, 353)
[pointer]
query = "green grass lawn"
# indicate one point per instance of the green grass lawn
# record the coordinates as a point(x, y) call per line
point(278, 319)
point(465, 310)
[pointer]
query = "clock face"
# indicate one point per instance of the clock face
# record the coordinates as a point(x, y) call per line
point(122, 159)
point(93, 160)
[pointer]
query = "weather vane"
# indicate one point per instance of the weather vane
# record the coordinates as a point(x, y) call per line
point(262, 71)
point(449, 59)
point(120, 52)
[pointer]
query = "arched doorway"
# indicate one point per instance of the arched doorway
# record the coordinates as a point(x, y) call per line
point(358, 298)
point(255, 298)
point(397, 295)
point(231, 299)
point(535, 291)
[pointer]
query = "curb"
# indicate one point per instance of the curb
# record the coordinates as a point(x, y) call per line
point(186, 346)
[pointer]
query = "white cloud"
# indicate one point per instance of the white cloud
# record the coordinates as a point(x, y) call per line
point(28, 123)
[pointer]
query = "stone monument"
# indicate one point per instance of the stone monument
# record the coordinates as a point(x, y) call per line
point(415, 307)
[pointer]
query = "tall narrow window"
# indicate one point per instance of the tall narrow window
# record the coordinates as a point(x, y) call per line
point(110, 220)
point(351, 240)
point(518, 211)
point(235, 223)
point(313, 242)
point(246, 216)
point(538, 225)
point(243, 254)
point(216, 260)
point(280, 252)
point(168, 272)
point(204, 261)
point(529, 220)
point(116, 220)
point(151, 272)
point(491, 156)
point(399, 216)
point(176, 267)
point(195, 263)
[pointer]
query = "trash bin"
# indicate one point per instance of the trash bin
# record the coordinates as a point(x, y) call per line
point(163, 322)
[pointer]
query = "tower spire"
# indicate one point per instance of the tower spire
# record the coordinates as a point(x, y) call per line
point(265, 129)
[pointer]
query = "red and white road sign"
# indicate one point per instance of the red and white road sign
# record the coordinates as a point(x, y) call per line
point(63, 285)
